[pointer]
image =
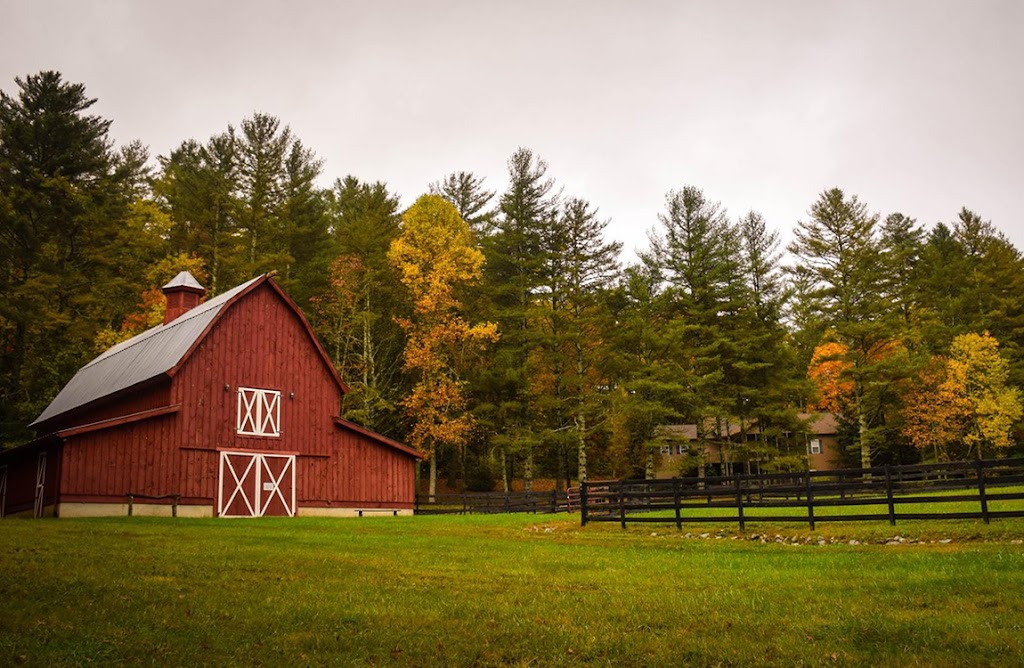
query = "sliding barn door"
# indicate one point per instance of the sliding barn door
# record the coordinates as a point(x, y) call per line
point(254, 484)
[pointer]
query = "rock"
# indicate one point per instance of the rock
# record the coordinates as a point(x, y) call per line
point(1016, 541)
point(945, 541)
point(688, 535)
point(855, 542)
point(892, 542)
point(704, 535)
point(654, 533)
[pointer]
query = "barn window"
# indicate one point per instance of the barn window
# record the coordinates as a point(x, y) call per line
point(815, 446)
point(259, 412)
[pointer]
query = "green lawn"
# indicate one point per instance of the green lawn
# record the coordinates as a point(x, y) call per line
point(503, 590)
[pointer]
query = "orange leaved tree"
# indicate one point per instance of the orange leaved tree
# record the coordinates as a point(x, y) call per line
point(435, 256)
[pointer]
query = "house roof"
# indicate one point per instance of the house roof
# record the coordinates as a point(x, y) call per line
point(818, 423)
point(158, 351)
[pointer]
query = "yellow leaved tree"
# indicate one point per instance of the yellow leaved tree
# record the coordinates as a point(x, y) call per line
point(435, 256)
point(978, 373)
point(963, 399)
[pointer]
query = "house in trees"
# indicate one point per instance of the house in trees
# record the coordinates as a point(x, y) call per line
point(227, 409)
point(724, 451)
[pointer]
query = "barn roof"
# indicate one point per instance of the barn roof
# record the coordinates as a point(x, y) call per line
point(143, 357)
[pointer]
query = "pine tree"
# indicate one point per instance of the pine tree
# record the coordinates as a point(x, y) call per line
point(466, 192)
point(365, 222)
point(513, 274)
point(839, 257)
point(571, 348)
point(64, 195)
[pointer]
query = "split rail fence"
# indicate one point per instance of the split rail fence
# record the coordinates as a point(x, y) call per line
point(953, 490)
point(491, 502)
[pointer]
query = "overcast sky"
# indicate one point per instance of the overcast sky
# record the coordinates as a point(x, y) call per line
point(914, 106)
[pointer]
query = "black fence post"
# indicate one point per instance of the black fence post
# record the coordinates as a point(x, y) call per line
point(675, 502)
point(583, 503)
point(416, 504)
point(622, 504)
point(979, 468)
point(174, 508)
point(506, 502)
point(739, 499)
point(888, 495)
point(130, 504)
point(810, 501)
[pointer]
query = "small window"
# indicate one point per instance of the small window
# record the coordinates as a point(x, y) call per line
point(666, 449)
point(259, 412)
point(815, 446)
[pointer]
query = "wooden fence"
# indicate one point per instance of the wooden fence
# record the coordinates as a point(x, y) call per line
point(811, 496)
point(491, 502)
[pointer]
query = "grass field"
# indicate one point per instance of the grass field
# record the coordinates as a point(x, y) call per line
point(504, 590)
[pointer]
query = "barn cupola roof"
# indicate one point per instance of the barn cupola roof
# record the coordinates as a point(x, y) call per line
point(183, 294)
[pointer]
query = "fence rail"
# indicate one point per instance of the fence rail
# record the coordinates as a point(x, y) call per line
point(810, 496)
point(491, 502)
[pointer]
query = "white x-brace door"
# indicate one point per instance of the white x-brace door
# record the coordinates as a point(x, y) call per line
point(37, 506)
point(253, 484)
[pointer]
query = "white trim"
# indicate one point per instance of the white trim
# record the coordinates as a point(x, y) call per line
point(258, 505)
point(3, 490)
point(259, 412)
point(814, 447)
point(37, 505)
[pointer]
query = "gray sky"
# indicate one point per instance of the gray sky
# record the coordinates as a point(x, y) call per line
point(914, 106)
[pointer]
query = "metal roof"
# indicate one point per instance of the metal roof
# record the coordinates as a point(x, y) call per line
point(184, 280)
point(140, 358)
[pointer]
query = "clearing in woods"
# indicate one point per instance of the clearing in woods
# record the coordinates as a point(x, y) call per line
point(505, 590)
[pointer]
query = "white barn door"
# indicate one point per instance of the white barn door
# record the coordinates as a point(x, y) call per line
point(254, 484)
point(37, 506)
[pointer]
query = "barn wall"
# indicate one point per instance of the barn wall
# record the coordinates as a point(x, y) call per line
point(334, 466)
point(133, 458)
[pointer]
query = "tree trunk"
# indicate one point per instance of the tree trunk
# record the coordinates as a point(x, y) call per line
point(433, 472)
point(581, 447)
point(504, 470)
point(865, 446)
point(528, 470)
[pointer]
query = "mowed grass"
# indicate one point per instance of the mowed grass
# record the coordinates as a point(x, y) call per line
point(502, 590)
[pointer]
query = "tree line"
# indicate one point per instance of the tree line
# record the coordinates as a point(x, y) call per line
point(499, 332)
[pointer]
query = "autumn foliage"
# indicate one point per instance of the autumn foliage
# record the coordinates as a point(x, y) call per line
point(435, 256)
point(963, 400)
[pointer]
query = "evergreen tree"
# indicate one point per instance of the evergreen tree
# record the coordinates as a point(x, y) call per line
point(466, 192)
point(197, 186)
point(839, 257)
point(570, 348)
point(365, 222)
point(513, 275)
point(64, 194)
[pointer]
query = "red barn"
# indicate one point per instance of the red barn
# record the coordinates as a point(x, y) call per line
point(229, 408)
